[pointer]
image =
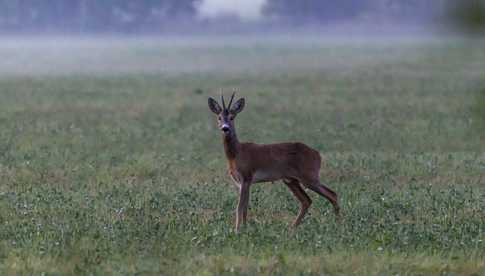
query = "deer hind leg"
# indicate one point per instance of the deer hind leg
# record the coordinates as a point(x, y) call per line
point(324, 191)
point(304, 199)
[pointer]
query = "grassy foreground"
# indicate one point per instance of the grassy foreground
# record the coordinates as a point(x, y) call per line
point(112, 169)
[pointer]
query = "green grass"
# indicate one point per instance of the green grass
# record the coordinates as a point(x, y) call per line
point(111, 162)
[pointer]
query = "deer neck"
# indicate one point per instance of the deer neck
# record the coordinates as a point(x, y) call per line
point(231, 145)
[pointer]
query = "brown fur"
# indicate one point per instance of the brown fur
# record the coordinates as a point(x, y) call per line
point(279, 161)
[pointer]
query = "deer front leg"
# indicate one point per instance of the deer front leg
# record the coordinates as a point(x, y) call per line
point(236, 183)
point(242, 206)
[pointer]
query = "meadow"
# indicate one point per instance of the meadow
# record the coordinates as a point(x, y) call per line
point(111, 162)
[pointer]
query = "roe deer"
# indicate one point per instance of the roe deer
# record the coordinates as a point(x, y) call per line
point(296, 164)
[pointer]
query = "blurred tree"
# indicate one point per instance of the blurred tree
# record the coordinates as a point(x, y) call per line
point(467, 15)
point(314, 11)
point(92, 15)
point(322, 11)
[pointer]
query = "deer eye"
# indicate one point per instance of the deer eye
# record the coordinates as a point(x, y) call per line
point(231, 118)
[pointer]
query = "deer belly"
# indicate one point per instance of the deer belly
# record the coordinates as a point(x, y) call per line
point(264, 176)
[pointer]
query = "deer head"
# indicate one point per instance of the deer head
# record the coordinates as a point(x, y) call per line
point(226, 115)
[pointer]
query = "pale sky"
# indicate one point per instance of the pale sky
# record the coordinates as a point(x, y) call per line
point(245, 9)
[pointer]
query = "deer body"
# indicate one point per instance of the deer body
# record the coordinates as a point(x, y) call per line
point(262, 163)
point(296, 164)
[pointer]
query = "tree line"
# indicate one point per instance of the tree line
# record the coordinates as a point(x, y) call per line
point(93, 15)
point(164, 15)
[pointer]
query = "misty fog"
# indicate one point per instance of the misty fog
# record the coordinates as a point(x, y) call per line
point(173, 37)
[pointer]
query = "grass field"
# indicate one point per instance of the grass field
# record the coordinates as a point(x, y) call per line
point(111, 162)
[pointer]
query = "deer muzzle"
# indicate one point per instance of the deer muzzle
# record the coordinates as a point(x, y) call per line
point(225, 127)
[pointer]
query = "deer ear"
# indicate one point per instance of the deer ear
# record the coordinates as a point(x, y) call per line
point(214, 106)
point(238, 106)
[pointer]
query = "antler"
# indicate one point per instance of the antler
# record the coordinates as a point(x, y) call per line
point(230, 101)
point(232, 97)
point(222, 100)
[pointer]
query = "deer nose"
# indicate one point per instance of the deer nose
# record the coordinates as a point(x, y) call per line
point(225, 128)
